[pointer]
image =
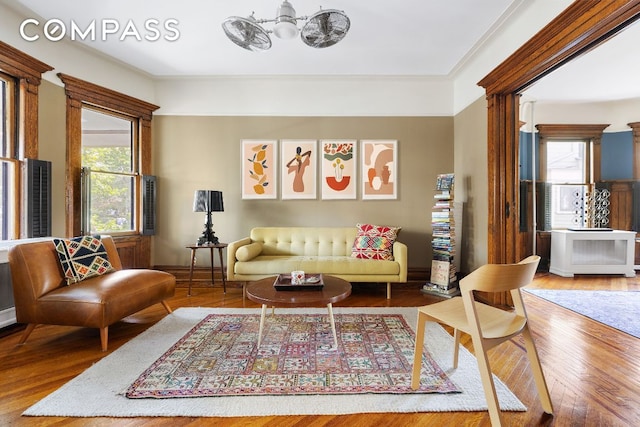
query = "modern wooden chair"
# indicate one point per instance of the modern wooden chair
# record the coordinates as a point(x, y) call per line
point(488, 326)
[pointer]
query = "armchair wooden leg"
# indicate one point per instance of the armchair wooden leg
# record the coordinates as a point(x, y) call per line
point(388, 290)
point(27, 332)
point(417, 352)
point(104, 337)
point(166, 307)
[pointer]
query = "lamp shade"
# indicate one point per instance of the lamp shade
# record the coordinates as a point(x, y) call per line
point(208, 201)
point(285, 27)
point(285, 30)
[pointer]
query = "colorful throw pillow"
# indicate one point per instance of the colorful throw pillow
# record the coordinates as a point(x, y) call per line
point(82, 257)
point(374, 242)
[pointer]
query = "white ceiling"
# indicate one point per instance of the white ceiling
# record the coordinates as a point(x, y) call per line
point(609, 72)
point(405, 38)
point(409, 37)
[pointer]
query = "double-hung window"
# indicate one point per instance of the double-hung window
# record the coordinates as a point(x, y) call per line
point(109, 171)
point(110, 188)
point(569, 171)
point(20, 76)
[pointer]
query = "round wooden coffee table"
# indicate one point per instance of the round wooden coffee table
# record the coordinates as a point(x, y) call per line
point(263, 292)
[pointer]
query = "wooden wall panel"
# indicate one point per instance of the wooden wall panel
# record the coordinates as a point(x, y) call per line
point(621, 206)
point(134, 251)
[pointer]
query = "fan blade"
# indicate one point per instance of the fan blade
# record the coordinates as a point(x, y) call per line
point(246, 33)
point(324, 23)
point(325, 28)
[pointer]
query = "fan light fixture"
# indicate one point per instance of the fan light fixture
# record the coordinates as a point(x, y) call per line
point(285, 27)
point(322, 29)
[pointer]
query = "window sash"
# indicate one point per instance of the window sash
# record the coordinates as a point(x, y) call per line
point(8, 208)
point(116, 131)
point(105, 211)
point(8, 112)
point(8, 169)
point(567, 162)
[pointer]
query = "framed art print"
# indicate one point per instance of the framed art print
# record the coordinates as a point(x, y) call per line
point(379, 169)
point(338, 166)
point(298, 168)
point(259, 169)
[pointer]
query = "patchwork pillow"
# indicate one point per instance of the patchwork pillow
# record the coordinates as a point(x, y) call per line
point(374, 242)
point(82, 257)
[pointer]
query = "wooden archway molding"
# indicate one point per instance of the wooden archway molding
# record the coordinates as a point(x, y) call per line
point(581, 27)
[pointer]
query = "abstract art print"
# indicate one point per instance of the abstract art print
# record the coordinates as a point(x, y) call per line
point(299, 159)
point(379, 169)
point(338, 169)
point(259, 169)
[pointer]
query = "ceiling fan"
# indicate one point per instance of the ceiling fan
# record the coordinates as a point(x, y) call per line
point(322, 29)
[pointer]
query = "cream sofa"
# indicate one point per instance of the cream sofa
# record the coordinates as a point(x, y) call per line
point(269, 251)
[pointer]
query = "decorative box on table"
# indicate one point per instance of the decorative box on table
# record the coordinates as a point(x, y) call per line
point(312, 282)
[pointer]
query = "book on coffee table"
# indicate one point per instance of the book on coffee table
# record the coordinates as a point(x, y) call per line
point(312, 282)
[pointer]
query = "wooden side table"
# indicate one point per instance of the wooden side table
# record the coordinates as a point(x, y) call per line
point(211, 247)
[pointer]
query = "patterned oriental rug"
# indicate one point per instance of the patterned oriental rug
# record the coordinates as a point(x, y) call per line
point(375, 347)
point(219, 357)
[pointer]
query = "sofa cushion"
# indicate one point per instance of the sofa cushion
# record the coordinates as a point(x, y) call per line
point(310, 241)
point(374, 242)
point(82, 257)
point(107, 298)
point(339, 265)
point(248, 252)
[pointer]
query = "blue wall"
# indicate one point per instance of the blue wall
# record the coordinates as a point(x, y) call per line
point(525, 156)
point(616, 156)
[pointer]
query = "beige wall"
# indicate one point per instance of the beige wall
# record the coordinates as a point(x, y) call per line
point(52, 146)
point(193, 153)
point(203, 152)
point(470, 129)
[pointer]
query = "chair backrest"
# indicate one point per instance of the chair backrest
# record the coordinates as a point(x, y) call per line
point(501, 277)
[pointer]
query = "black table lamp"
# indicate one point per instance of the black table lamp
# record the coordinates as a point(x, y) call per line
point(208, 201)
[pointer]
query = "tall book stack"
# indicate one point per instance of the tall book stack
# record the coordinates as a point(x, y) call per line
point(443, 280)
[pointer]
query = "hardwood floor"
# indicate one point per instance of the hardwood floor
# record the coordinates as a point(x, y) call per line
point(592, 370)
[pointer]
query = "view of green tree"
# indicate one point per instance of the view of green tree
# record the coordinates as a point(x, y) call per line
point(111, 192)
point(107, 159)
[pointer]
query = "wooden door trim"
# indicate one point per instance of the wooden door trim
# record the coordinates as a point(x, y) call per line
point(578, 29)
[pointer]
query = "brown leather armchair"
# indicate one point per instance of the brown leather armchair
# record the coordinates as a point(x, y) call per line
point(42, 296)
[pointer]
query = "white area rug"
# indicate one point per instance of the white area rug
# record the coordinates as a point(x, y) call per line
point(99, 390)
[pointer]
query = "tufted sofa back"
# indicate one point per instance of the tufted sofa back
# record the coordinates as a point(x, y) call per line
point(305, 241)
